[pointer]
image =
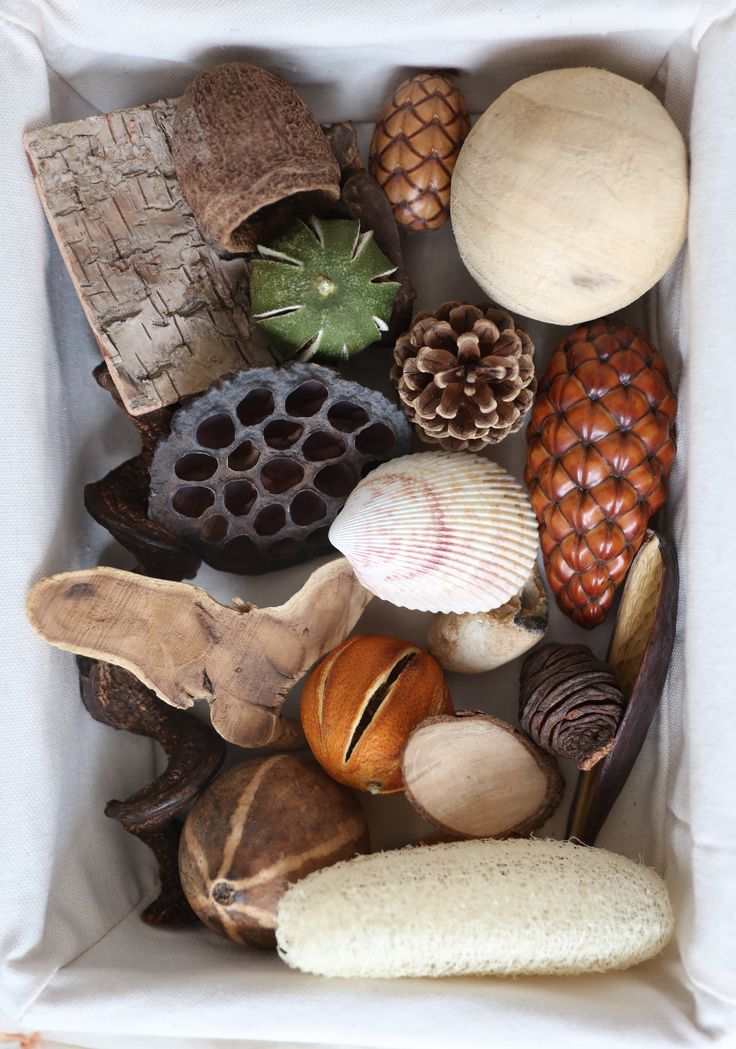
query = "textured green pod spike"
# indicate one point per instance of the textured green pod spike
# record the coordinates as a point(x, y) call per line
point(317, 292)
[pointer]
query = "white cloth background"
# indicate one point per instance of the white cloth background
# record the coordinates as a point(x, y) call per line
point(77, 962)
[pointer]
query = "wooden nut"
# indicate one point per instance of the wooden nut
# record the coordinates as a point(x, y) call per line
point(361, 703)
point(476, 776)
point(260, 826)
point(472, 643)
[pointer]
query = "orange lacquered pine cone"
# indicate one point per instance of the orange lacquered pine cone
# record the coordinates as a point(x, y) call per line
point(601, 445)
point(414, 147)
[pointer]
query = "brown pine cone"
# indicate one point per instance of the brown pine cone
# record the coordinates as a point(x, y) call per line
point(601, 446)
point(414, 147)
point(465, 375)
point(570, 703)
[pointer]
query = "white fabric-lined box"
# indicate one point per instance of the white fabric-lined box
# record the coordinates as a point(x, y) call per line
point(75, 956)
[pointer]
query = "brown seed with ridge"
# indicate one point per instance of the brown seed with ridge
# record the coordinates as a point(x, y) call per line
point(259, 827)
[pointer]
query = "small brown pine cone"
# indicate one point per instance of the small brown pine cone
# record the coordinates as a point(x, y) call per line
point(465, 375)
point(571, 703)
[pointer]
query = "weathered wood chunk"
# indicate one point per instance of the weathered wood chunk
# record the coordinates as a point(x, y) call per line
point(168, 313)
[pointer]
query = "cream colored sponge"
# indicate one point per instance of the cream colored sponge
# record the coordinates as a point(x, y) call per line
point(502, 908)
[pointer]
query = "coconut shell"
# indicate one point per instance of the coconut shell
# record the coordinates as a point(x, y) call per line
point(243, 142)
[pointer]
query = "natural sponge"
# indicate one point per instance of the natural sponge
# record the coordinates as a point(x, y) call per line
point(502, 908)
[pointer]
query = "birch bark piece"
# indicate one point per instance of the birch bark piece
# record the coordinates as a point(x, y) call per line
point(168, 314)
point(186, 646)
point(473, 775)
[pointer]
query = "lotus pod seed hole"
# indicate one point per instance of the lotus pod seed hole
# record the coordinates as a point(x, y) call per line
point(307, 507)
point(195, 466)
point(282, 433)
point(336, 480)
point(270, 520)
point(239, 497)
point(306, 399)
point(321, 445)
point(377, 439)
point(244, 457)
point(256, 406)
point(192, 500)
point(214, 528)
point(281, 474)
point(217, 431)
point(347, 417)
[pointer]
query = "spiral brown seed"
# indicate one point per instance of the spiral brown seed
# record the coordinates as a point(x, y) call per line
point(571, 703)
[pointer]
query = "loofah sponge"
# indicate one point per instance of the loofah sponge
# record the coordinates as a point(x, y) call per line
point(502, 908)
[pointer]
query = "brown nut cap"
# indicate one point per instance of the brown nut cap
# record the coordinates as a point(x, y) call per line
point(243, 142)
point(362, 702)
point(414, 147)
point(260, 826)
point(570, 703)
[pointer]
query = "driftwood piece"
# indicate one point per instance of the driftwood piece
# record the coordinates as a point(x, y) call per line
point(473, 775)
point(186, 646)
point(640, 653)
point(168, 313)
point(116, 698)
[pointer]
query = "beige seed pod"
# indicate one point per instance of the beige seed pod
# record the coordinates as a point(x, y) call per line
point(260, 826)
point(476, 642)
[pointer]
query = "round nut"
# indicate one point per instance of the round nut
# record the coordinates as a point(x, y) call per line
point(569, 197)
point(258, 827)
point(362, 702)
point(475, 642)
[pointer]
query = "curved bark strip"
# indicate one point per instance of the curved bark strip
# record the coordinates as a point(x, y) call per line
point(116, 698)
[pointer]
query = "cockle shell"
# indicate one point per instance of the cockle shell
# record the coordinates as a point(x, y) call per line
point(439, 532)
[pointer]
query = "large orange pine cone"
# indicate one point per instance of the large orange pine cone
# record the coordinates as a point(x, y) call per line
point(601, 446)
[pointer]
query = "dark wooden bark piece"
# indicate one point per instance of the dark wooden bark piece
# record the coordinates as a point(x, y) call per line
point(640, 654)
point(168, 313)
point(362, 198)
point(117, 698)
point(119, 501)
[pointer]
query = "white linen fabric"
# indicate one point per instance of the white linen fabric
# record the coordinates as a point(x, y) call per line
point(77, 962)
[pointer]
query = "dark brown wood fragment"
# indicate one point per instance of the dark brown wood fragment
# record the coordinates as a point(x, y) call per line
point(117, 698)
point(119, 501)
point(640, 654)
point(362, 198)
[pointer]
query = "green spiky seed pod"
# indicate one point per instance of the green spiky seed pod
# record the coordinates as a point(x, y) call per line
point(318, 290)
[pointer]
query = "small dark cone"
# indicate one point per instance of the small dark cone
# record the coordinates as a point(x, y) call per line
point(570, 703)
point(465, 375)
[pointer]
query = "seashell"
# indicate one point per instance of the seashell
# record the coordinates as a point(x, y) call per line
point(439, 532)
